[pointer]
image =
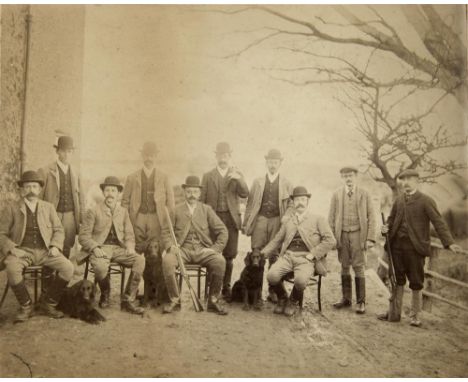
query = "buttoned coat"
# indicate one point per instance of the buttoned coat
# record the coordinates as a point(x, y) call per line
point(314, 231)
point(13, 226)
point(51, 190)
point(97, 225)
point(236, 188)
point(205, 222)
point(254, 202)
point(366, 213)
point(163, 195)
point(420, 210)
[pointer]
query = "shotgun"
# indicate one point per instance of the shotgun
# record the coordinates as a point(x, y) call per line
point(196, 302)
point(393, 310)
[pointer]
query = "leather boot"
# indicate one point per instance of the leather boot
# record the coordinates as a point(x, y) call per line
point(49, 303)
point(104, 286)
point(416, 303)
point(346, 289)
point(22, 295)
point(215, 307)
point(360, 294)
point(128, 300)
point(293, 302)
point(227, 295)
point(282, 299)
point(213, 304)
point(46, 280)
point(397, 305)
point(171, 307)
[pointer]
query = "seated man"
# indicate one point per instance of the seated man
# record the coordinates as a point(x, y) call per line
point(194, 225)
point(305, 239)
point(31, 234)
point(107, 235)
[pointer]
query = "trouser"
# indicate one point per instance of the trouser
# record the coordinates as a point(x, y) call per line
point(408, 263)
point(147, 230)
point(194, 254)
point(230, 251)
point(69, 226)
point(292, 262)
point(263, 232)
point(114, 253)
point(350, 254)
point(16, 265)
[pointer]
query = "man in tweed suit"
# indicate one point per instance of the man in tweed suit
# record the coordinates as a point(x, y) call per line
point(267, 203)
point(408, 228)
point(221, 189)
point(353, 222)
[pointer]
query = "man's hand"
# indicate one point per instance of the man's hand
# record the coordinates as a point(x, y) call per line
point(98, 252)
point(310, 257)
point(54, 252)
point(369, 244)
point(384, 229)
point(235, 174)
point(131, 251)
point(455, 248)
point(19, 253)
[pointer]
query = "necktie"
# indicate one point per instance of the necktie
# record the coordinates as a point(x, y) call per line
point(350, 193)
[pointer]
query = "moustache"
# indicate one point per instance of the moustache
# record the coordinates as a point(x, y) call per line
point(30, 194)
point(300, 205)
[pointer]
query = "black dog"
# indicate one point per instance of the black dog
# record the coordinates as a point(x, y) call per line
point(248, 289)
point(78, 302)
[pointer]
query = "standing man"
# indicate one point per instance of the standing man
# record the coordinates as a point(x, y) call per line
point(408, 228)
point(353, 222)
point(146, 193)
point(107, 235)
point(221, 189)
point(202, 237)
point(266, 205)
point(31, 234)
point(62, 188)
point(305, 239)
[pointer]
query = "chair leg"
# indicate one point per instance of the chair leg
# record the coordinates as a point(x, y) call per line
point(199, 282)
point(319, 298)
point(36, 282)
point(86, 269)
point(7, 286)
point(122, 281)
point(180, 282)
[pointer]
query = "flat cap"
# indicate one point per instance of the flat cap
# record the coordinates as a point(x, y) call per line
point(347, 169)
point(408, 173)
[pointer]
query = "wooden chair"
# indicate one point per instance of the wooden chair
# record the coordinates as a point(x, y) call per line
point(195, 271)
point(31, 273)
point(314, 280)
point(114, 269)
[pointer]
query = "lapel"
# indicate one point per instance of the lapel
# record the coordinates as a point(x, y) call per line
point(73, 179)
point(138, 176)
point(262, 182)
point(53, 169)
point(359, 194)
point(283, 191)
point(214, 178)
point(22, 208)
point(413, 198)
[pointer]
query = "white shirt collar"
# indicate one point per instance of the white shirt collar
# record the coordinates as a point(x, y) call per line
point(221, 171)
point(191, 208)
point(147, 171)
point(63, 166)
point(273, 177)
point(31, 205)
point(411, 193)
point(353, 189)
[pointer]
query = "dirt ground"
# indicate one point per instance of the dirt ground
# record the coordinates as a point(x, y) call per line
point(242, 344)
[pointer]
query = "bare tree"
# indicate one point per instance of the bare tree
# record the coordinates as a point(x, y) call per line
point(395, 138)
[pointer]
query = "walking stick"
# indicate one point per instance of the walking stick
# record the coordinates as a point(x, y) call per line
point(393, 309)
point(196, 302)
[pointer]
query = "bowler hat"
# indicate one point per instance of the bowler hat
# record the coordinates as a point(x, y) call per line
point(111, 181)
point(408, 173)
point(65, 143)
point(223, 148)
point(149, 148)
point(30, 176)
point(274, 154)
point(299, 191)
point(192, 181)
point(346, 169)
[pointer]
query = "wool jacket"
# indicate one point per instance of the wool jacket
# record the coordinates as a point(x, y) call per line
point(97, 225)
point(254, 202)
point(420, 211)
point(235, 189)
point(366, 213)
point(163, 195)
point(13, 226)
point(51, 190)
point(209, 227)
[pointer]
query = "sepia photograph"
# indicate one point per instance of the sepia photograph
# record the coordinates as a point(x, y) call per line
point(233, 191)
